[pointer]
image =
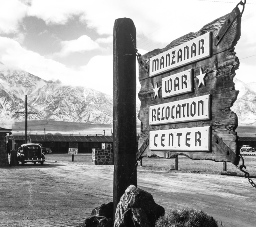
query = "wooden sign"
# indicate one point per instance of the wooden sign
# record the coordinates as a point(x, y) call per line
point(187, 94)
point(193, 109)
point(182, 139)
point(190, 51)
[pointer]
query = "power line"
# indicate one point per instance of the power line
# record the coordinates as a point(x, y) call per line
point(223, 1)
point(248, 56)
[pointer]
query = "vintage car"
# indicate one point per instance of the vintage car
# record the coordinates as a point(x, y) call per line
point(247, 148)
point(30, 152)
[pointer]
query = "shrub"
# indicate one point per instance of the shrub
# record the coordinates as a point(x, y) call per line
point(186, 218)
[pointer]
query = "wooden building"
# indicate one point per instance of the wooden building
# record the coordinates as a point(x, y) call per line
point(251, 141)
point(3, 146)
point(62, 143)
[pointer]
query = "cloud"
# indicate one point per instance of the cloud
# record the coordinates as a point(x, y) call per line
point(97, 74)
point(20, 37)
point(161, 21)
point(13, 55)
point(107, 40)
point(55, 12)
point(82, 44)
point(11, 14)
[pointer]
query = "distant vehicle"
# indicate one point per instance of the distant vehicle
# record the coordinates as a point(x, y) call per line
point(46, 150)
point(30, 152)
point(247, 148)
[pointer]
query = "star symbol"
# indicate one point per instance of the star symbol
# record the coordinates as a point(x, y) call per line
point(200, 77)
point(156, 90)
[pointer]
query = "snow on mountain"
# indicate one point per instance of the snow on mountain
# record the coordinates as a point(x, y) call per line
point(50, 100)
point(245, 105)
point(252, 87)
point(53, 101)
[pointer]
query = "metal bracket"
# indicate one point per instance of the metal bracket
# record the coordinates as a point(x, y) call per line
point(222, 148)
point(142, 148)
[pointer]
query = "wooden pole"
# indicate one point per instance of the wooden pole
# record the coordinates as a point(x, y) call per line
point(124, 110)
point(224, 166)
point(26, 119)
point(177, 162)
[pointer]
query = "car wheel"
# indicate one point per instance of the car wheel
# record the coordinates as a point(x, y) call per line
point(34, 163)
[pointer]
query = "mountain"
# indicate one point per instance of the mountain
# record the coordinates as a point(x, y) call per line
point(245, 105)
point(54, 102)
point(50, 100)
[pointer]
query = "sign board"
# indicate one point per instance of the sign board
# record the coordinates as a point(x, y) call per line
point(193, 109)
point(187, 93)
point(177, 84)
point(190, 51)
point(72, 150)
point(182, 139)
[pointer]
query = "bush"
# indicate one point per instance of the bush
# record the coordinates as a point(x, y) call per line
point(186, 218)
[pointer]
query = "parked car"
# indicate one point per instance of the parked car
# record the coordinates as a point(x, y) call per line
point(247, 148)
point(30, 152)
point(46, 150)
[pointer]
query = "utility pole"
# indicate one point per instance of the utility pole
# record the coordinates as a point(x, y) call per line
point(124, 109)
point(26, 117)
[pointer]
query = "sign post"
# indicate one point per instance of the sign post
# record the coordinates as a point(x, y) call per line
point(124, 111)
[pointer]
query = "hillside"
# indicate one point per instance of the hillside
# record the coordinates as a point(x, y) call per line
point(50, 100)
point(54, 102)
point(245, 105)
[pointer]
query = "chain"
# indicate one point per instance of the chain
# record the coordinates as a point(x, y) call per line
point(243, 4)
point(141, 61)
point(242, 168)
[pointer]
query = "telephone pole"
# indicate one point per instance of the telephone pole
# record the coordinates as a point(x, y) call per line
point(26, 117)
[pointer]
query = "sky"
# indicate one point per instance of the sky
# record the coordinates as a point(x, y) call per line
point(72, 40)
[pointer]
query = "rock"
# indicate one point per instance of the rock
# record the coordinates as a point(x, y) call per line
point(98, 221)
point(135, 217)
point(137, 208)
point(105, 210)
point(102, 216)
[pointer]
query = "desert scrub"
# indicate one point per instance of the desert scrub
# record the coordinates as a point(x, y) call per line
point(186, 218)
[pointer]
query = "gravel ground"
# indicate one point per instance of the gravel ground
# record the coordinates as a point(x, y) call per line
point(63, 193)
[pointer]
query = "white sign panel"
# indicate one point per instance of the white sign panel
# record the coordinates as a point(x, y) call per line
point(176, 84)
point(193, 50)
point(193, 109)
point(182, 139)
point(72, 150)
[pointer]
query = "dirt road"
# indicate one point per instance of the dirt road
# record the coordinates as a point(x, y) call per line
point(63, 194)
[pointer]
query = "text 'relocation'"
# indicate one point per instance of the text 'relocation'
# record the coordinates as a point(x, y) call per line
point(192, 109)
